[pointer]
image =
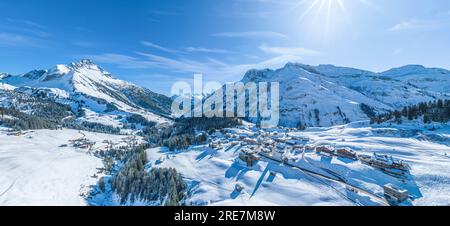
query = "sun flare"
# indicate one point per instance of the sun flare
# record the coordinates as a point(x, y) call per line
point(323, 10)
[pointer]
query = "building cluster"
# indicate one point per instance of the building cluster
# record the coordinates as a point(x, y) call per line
point(82, 143)
point(18, 133)
point(395, 193)
point(286, 148)
point(384, 162)
point(340, 152)
point(279, 146)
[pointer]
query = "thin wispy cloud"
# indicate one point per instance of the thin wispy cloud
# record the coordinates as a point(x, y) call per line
point(23, 33)
point(299, 51)
point(18, 40)
point(407, 25)
point(246, 14)
point(26, 22)
point(179, 65)
point(213, 68)
point(217, 62)
point(25, 27)
point(189, 49)
point(251, 34)
point(120, 60)
point(157, 15)
point(12, 39)
point(159, 47)
point(441, 19)
point(206, 50)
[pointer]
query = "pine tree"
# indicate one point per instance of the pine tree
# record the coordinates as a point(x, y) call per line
point(433, 111)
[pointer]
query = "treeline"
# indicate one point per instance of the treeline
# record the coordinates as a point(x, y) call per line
point(368, 110)
point(119, 155)
point(23, 112)
point(90, 127)
point(32, 113)
point(53, 119)
point(433, 111)
point(21, 121)
point(135, 119)
point(205, 124)
point(187, 131)
point(133, 183)
point(149, 100)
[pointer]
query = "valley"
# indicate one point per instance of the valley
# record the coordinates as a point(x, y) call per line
point(76, 135)
point(297, 175)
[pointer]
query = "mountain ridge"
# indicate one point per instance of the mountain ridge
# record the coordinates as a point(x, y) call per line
point(322, 95)
point(85, 85)
point(327, 95)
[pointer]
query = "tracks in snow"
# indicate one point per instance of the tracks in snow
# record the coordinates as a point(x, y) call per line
point(324, 179)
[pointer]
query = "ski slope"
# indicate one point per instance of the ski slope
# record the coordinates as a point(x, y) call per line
point(429, 180)
point(86, 85)
point(213, 173)
point(35, 170)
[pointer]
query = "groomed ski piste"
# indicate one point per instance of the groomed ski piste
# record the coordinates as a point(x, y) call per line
point(37, 168)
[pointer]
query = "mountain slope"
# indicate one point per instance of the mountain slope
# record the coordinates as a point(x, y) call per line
point(4, 86)
point(310, 99)
point(432, 79)
point(384, 88)
point(327, 95)
point(84, 85)
point(323, 95)
point(36, 170)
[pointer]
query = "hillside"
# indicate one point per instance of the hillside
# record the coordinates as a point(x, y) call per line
point(87, 87)
point(327, 95)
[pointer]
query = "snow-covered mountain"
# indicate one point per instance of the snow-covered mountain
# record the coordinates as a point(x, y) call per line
point(214, 171)
point(4, 86)
point(327, 95)
point(87, 86)
point(4, 75)
point(432, 79)
point(310, 99)
point(382, 87)
point(323, 95)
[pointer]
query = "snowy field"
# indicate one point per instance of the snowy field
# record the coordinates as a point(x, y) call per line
point(35, 170)
point(213, 176)
point(429, 179)
point(214, 173)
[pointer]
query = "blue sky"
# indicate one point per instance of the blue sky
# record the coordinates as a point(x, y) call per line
point(155, 43)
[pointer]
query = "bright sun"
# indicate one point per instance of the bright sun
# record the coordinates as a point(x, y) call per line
point(325, 11)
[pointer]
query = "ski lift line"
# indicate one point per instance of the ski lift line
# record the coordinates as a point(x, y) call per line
point(8, 188)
